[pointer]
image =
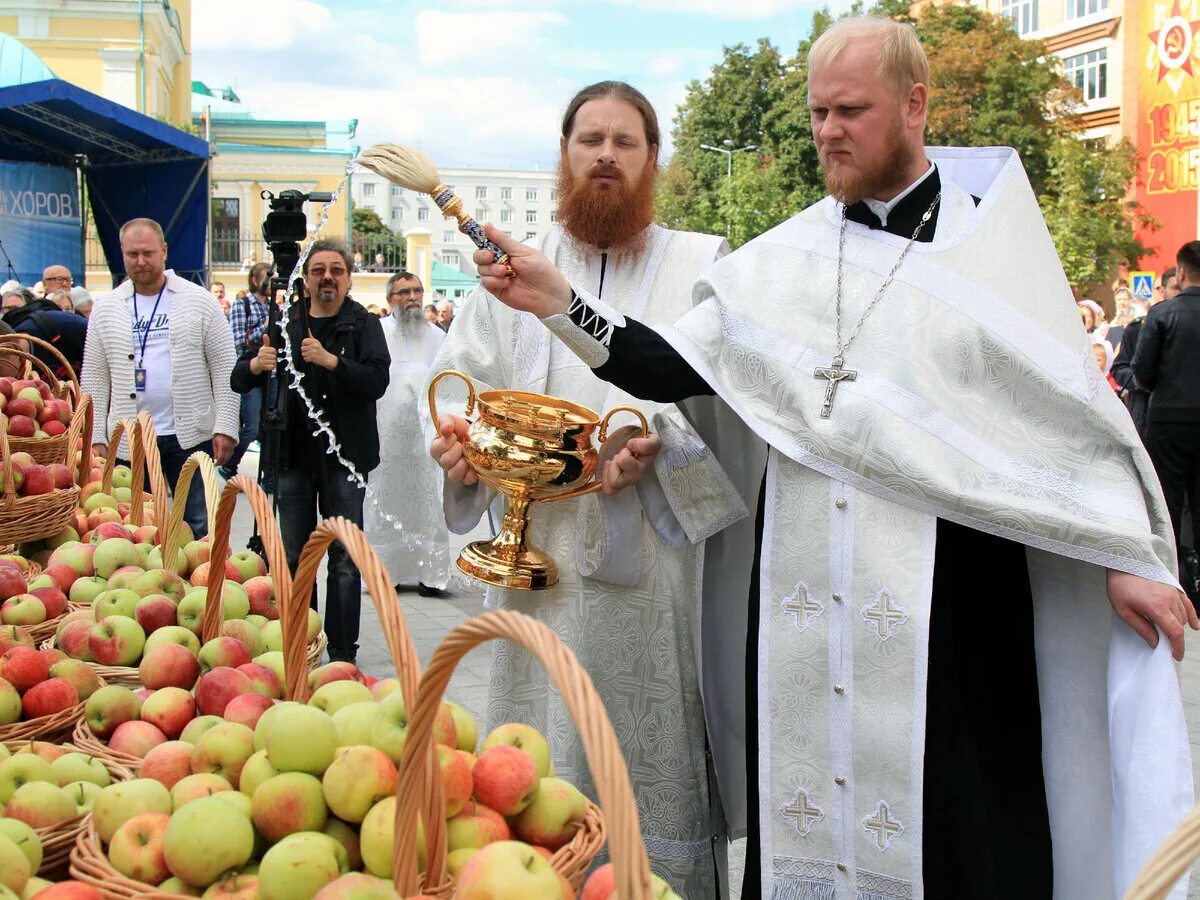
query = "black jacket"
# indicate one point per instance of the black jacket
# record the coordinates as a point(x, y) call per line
point(346, 395)
point(1165, 361)
point(1136, 400)
point(67, 331)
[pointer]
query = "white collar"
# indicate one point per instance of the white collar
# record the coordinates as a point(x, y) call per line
point(883, 209)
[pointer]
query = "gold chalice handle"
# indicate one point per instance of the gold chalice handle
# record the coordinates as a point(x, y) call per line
point(433, 411)
point(593, 486)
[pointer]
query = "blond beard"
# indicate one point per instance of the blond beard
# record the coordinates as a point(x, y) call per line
point(850, 187)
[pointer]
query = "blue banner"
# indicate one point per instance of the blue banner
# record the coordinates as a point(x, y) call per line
point(39, 220)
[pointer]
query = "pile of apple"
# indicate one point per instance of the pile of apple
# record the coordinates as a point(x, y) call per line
point(31, 478)
point(36, 683)
point(29, 409)
point(25, 604)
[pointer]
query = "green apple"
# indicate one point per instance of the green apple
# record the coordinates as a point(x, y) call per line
point(389, 732)
point(296, 871)
point(257, 770)
point(197, 786)
point(26, 839)
point(136, 850)
point(240, 801)
point(272, 636)
point(86, 589)
point(357, 779)
point(224, 749)
point(175, 885)
point(206, 838)
point(322, 839)
point(10, 704)
point(554, 817)
point(115, 602)
point(333, 696)
point(314, 625)
point(109, 707)
point(41, 804)
point(33, 887)
point(508, 870)
point(464, 725)
point(288, 803)
point(273, 660)
point(525, 738)
point(80, 767)
point(300, 738)
point(378, 836)
point(21, 769)
point(83, 794)
point(354, 721)
point(118, 803)
point(14, 866)
point(173, 634)
point(196, 728)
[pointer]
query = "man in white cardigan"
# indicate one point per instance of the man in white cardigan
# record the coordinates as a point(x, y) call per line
point(161, 344)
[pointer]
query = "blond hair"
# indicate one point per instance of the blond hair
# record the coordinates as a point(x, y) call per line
point(142, 223)
point(902, 59)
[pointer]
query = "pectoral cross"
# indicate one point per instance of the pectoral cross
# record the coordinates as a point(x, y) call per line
point(835, 374)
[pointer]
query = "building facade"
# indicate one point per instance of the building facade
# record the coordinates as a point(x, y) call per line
point(133, 53)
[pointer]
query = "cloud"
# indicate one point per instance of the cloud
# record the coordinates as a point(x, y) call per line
point(483, 40)
point(265, 24)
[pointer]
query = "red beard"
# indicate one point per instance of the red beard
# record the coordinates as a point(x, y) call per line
point(606, 215)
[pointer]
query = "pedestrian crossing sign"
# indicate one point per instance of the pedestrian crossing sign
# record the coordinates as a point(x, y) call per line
point(1142, 285)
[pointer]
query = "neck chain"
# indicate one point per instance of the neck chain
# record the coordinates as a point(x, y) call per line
point(836, 373)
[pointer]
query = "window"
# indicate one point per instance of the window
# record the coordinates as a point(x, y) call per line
point(480, 192)
point(1078, 8)
point(553, 216)
point(226, 225)
point(368, 189)
point(506, 215)
point(397, 191)
point(505, 193)
point(397, 214)
point(554, 195)
point(1089, 72)
point(422, 213)
point(481, 215)
point(530, 235)
point(448, 237)
point(1024, 14)
point(530, 193)
point(531, 216)
point(450, 257)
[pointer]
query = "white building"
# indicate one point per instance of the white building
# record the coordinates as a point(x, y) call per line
point(522, 203)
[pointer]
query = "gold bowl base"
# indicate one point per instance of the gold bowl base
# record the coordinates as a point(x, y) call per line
point(527, 570)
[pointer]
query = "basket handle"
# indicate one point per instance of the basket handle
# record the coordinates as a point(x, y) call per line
point(404, 654)
point(137, 463)
point(202, 462)
point(79, 435)
point(1169, 862)
point(268, 529)
point(54, 351)
point(632, 866)
point(154, 473)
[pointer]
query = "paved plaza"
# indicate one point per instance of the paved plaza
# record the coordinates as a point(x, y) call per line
point(429, 619)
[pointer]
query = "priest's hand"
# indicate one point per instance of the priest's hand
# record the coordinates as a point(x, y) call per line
point(527, 281)
point(631, 463)
point(447, 449)
point(1148, 606)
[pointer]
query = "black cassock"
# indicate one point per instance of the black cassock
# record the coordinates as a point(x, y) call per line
point(986, 833)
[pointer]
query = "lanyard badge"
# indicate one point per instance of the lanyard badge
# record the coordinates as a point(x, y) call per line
point(139, 372)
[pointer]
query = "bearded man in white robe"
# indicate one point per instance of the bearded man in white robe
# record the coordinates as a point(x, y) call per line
point(407, 486)
point(942, 702)
point(630, 567)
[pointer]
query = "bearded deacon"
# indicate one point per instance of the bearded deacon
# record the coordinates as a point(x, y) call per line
point(628, 601)
point(942, 702)
point(407, 489)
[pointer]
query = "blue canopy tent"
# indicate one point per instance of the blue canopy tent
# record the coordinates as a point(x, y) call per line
point(133, 165)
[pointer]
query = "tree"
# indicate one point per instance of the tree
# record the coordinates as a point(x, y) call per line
point(370, 235)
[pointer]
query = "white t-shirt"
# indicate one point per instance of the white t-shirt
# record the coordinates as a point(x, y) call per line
point(155, 398)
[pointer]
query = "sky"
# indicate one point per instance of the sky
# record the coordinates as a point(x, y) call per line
point(473, 84)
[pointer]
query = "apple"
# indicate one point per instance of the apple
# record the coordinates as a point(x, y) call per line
point(10, 704)
point(300, 738)
point(217, 687)
point(51, 696)
point(169, 709)
point(122, 476)
point(272, 636)
point(110, 707)
point(224, 652)
point(80, 675)
point(247, 709)
point(168, 763)
point(224, 750)
point(288, 803)
point(456, 780)
point(248, 565)
point(40, 804)
point(136, 849)
point(114, 553)
point(476, 826)
point(61, 576)
point(505, 779)
point(507, 870)
point(554, 816)
point(136, 738)
point(46, 750)
point(378, 835)
point(263, 680)
point(23, 609)
point(190, 612)
point(77, 556)
point(73, 637)
point(169, 665)
point(206, 838)
point(526, 738)
point(26, 839)
point(15, 870)
point(14, 636)
point(293, 871)
point(198, 726)
point(357, 779)
point(86, 589)
point(354, 722)
point(21, 769)
point(53, 599)
point(389, 732)
point(12, 582)
point(23, 667)
point(334, 671)
point(358, 886)
point(21, 425)
point(273, 660)
point(257, 770)
point(115, 602)
point(333, 696)
point(173, 634)
point(196, 553)
point(347, 836)
point(116, 641)
point(193, 787)
point(465, 728)
point(260, 589)
point(103, 531)
point(159, 581)
point(52, 655)
point(234, 886)
point(83, 794)
point(38, 480)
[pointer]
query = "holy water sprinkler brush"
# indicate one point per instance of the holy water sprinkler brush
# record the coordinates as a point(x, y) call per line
point(412, 169)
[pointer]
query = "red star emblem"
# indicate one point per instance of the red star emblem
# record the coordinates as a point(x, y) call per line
point(1174, 42)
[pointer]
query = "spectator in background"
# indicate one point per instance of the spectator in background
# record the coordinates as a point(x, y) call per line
point(56, 278)
point(1121, 317)
point(1137, 400)
point(1103, 351)
point(249, 261)
point(81, 300)
point(158, 343)
point(1092, 314)
point(62, 300)
point(358, 261)
point(16, 297)
point(11, 285)
point(1165, 365)
point(44, 318)
point(1167, 287)
point(430, 312)
point(445, 314)
point(247, 322)
point(380, 265)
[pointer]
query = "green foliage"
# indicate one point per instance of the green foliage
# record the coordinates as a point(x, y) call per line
point(365, 223)
point(990, 87)
point(370, 235)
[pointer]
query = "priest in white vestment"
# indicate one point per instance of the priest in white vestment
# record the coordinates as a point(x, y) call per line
point(630, 567)
point(951, 492)
point(406, 489)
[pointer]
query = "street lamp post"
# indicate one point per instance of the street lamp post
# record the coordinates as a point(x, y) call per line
point(728, 149)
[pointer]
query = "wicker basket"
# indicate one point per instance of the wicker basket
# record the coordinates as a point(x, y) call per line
point(54, 449)
point(620, 819)
point(59, 840)
point(55, 728)
point(146, 467)
point(43, 515)
point(1169, 863)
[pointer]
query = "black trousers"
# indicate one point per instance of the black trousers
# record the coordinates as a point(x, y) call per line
point(986, 832)
point(1175, 451)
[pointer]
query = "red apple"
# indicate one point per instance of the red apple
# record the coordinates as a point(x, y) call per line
point(23, 609)
point(261, 591)
point(223, 652)
point(12, 582)
point(136, 738)
point(23, 667)
point(263, 681)
point(63, 478)
point(79, 673)
point(38, 480)
point(217, 687)
point(169, 709)
point(63, 575)
point(334, 671)
point(50, 697)
point(53, 599)
point(167, 763)
point(154, 611)
point(74, 637)
point(247, 709)
point(505, 779)
point(169, 665)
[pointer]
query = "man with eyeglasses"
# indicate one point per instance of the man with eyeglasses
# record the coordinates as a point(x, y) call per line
point(407, 485)
point(56, 278)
